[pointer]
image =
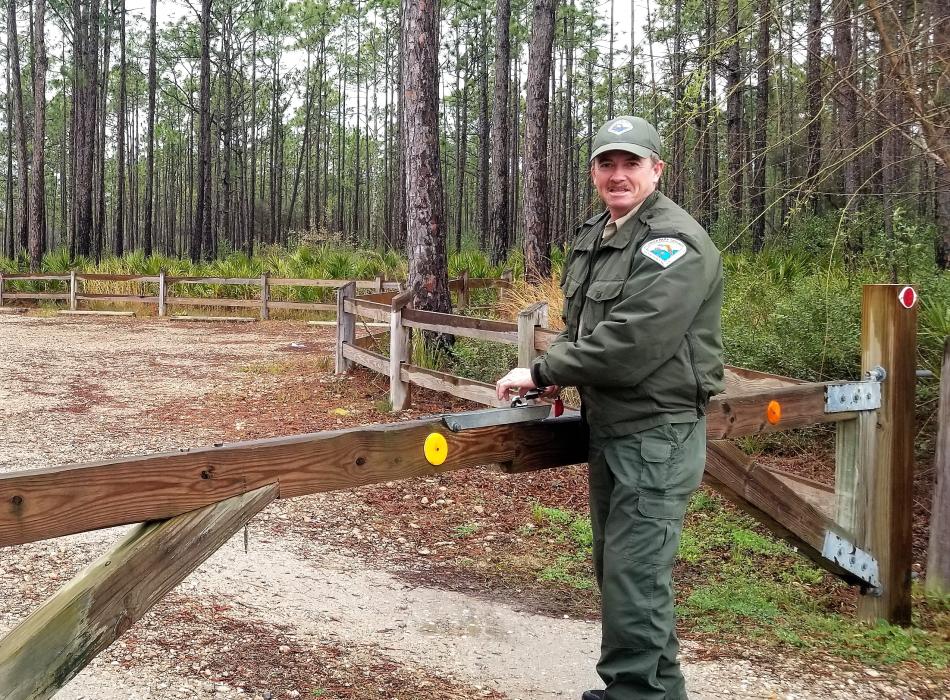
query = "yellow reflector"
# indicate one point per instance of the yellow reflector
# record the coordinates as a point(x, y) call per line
point(774, 412)
point(436, 448)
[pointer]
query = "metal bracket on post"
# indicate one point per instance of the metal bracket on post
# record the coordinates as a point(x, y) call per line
point(854, 560)
point(856, 396)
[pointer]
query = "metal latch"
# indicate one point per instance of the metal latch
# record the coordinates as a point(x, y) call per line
point(856, 396)
point(853, 560)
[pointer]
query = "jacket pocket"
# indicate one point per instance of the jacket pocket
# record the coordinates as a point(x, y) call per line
point(572, 304)
point(600, 299)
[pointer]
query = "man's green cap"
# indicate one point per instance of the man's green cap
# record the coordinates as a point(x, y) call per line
point(630, 134)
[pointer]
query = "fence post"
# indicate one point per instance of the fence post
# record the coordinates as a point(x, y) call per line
point(938, 551)
point(265, 293)
point(161, 292)
point(380, 279)
point(72, 290)
point(528, 318)
point(345, 325)
point(399, 391)
point(1, 289)
point(507, 276)
point(463, 290)
point(884, 514)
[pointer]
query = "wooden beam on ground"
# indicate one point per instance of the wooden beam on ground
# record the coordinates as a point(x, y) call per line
point(87, 615)
point(821, 496)
point(13, 309)
point(96, 313)
point(770, 500)
point(43, 503)
point(214, 319)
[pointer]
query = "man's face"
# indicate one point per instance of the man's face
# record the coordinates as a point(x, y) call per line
point(623, 180)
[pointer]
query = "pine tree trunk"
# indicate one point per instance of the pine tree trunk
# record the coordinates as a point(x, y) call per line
point(500, 229)
point(734, 115)
point(425, 209)
point(37, 235)
point(150, 137)
point(537, 231)
point(201, 234)
point(764, 60)
point(19, 120)
point(846, 102)
point(813, 86)
point(118, 243)
point(484, 225)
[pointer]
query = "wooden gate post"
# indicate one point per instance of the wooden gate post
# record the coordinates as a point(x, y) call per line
point(345, 325)
point(1, 289)
point(529, 318)
point(72, 290)
point(938, 551)
point(265, 293)
point(161, 292)
point(399, 390)
point(885, 514)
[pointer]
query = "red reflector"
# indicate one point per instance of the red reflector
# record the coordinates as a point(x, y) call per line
point(907, 297)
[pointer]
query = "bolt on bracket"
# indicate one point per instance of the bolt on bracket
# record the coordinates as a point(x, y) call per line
point(856, 396)
point(853, 560)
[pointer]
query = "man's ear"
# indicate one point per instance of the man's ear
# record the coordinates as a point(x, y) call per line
point(658, 169)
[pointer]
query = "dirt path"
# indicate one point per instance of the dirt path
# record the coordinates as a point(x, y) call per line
point(297, 615)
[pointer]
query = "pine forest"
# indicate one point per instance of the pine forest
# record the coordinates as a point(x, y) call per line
point(198, 129)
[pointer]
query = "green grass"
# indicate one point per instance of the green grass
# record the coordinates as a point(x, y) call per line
point(738, 582)
point(744, 583)
point(465, 530)
point(572, 532)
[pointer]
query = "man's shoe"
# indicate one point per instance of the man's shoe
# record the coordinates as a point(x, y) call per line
point(593, 695)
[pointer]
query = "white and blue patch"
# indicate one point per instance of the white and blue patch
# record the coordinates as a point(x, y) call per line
point(664, 251)
point(621, 126)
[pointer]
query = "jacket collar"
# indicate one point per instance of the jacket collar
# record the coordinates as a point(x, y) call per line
point(592, 230)
point(621, 239)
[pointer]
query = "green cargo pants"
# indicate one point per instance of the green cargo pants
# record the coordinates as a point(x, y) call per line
point(639, 488)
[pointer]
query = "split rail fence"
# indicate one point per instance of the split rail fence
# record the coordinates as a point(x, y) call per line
point(163, 295)
point(188, 503)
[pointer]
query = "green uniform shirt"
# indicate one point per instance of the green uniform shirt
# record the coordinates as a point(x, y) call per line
point(642, 313)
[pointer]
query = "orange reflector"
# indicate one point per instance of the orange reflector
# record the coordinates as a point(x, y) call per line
point(774, 412)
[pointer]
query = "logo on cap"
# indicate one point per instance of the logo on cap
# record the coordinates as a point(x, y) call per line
point(621, 126)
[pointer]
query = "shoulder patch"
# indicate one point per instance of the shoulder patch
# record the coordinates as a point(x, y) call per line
point(664, 251)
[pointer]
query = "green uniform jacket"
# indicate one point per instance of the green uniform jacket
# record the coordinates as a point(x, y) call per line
point(642, 338)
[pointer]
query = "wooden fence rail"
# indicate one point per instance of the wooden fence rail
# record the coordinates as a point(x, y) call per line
point(262, 298)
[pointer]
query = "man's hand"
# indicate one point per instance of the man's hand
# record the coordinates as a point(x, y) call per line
point(518, 379)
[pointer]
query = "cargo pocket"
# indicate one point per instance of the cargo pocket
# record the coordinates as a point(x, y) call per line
point(601, 296)
point(654, 536)
point(656, 448)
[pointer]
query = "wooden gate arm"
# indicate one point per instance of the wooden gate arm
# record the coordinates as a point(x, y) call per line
point(44, 503)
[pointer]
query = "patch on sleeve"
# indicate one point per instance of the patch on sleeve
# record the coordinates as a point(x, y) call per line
point(664, 251)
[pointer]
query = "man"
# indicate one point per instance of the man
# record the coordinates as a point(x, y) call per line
point(642, 342)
